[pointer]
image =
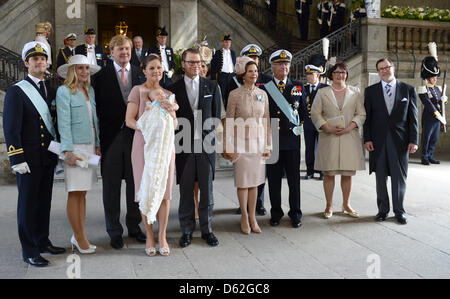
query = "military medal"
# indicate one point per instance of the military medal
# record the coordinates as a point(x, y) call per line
point(297, 130)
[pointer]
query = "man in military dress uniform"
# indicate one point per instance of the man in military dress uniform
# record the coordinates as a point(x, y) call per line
point(28, 127)
point(431, 97)
point(323, 15)
point(222, 64)
point(314, 69)
point(284, 103)
point(302, 10)
point(253, 51)
point(65, 53)
point(337, 16)
point(93, 52)
point(167, 56)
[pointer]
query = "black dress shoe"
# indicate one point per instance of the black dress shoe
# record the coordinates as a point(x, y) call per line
point(425, 162)
point(140, 237)
point(380, 217)
point(238, 211)
point(261, 211)
point(117, 243)
point(296, 223)
point(274, 222)
point(53, 250)
point(211, 240)
point(401, 218)
point(308, 177)
point(185, 240)
point(37, 261)
point(432, 161)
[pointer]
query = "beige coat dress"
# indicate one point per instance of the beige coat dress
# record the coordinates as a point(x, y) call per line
point(248, 130)
point(345, 152)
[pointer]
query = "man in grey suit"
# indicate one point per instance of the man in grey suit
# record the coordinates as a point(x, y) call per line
point(390, 135)
point(199, 101)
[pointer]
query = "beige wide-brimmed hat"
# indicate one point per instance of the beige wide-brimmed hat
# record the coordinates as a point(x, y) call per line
point(77, 59)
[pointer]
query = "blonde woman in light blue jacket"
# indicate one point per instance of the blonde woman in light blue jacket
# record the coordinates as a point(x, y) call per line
point(78, 129)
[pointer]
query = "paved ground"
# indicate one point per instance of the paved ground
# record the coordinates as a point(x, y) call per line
point(340, 247)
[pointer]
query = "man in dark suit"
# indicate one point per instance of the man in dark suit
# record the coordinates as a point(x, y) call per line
point(112, 86)
point(302, 10)
point(93, 52)
point(253, 51)
point(138, 52)
point(68, 51)
point(29, 128)
point(288, 93)
point(199, 101)
point(390, 135)
point(166, 54)
point(222, 64)
point(314, 69)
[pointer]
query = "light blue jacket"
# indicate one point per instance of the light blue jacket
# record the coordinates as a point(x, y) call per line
point(74, 125)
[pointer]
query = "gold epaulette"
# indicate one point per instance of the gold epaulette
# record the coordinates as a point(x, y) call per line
point(12, 151)
point(421, 89)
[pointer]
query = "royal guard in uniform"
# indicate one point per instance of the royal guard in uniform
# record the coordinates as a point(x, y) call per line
point(358, 10)
point(222, 64)
point(337, 16)
point(323, 15)
point(302, 10)
point(28, 124)
point(253, 51)
point(314, 69)
point(433, 101)
point(68, 51)
point(93, 52)
point(285, 98)
point(166, 54)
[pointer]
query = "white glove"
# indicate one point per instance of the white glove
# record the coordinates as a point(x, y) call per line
point(268, 2)
point(444, 99)
point(169, 74)
point(320, 21)
point(21, 168)
point(440, 118)
point(299, 11)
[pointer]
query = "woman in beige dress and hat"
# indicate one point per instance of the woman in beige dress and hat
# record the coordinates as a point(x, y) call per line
point(338, 112)
point(77, 126)
point(247, 128)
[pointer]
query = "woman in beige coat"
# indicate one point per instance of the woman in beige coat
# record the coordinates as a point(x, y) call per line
point(338, 111)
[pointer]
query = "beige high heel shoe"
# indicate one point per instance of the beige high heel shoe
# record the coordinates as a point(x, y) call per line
point(327, 215)
point(353, 214)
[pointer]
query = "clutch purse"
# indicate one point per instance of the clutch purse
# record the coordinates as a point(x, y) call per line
point(337, 121)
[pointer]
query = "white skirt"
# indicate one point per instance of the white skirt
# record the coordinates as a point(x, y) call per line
point(77, 178)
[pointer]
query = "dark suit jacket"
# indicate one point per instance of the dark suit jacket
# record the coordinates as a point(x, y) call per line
point(217, 63)
point(111, 106)
point(209, 104)
point(262, 79)
point(288, 140)
point(82, 49)
point(169, 54)
point(25, 130)
point(134, 58)
point(402, 123)
point(307, 101)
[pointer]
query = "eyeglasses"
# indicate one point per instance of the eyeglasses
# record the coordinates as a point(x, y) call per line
point(193, 62)
point(385, 68)
point(340, 73)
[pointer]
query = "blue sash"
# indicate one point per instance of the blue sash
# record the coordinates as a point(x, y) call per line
point(39, 103)
point(284, 107)
point(236, 81)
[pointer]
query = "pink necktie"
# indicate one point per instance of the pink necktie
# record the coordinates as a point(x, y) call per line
point(124, 78)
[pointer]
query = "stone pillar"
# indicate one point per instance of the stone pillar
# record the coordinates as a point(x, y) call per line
point(70, 16)
point(183, 23)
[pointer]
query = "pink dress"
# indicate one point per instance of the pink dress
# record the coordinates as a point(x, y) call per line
point(139, 96)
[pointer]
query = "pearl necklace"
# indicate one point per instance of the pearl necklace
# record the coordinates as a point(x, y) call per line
point(338, 89)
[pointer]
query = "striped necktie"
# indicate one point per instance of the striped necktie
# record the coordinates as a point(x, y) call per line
point(388, 91)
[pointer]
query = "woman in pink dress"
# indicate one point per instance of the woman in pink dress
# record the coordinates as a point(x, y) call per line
point(137, 100)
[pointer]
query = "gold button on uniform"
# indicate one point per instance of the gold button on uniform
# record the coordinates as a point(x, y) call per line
point(42, 127)
point(42, 135)
point(43, 144)
point(278, 112)
point(278, 128)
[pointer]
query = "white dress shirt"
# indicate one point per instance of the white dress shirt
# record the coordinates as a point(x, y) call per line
point(36, 81)
point(227, 66)
point(91, 54)
point(389, 100)
point(192, 90)
point(165, 62)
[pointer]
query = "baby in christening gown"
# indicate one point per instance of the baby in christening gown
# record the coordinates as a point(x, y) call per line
point(157, 127)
